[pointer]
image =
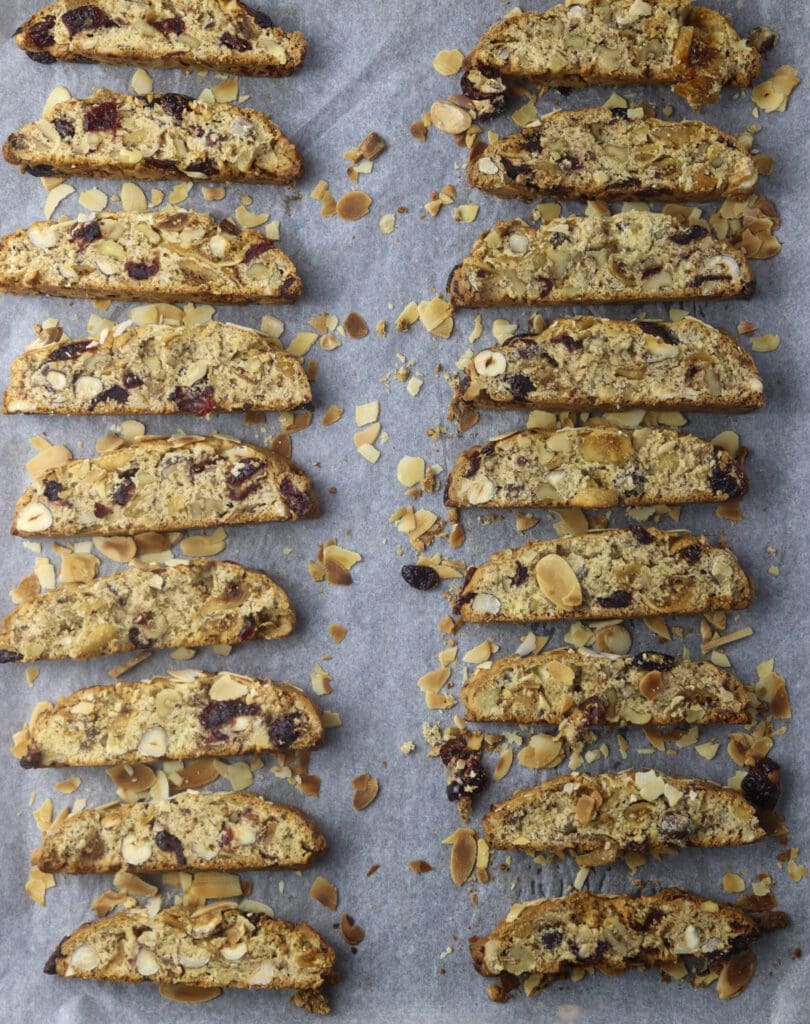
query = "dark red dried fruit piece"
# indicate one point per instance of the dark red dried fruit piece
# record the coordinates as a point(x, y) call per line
point(544, 286)
point(199, 401)
point(161, 165)
point(64, 127)
point(298, 502)
point(241, 482)
point(658, 330)
point(233, 42)
point(84, 19)
point(40, 34)
point(31, 759)
point(618, 599)
point(520, 386)
point(695, 233)
point(175, 104)
point(691, 553)
point(115, 394)
point(102, 117)
point(261, 19)
point(125, 489)
point(100, 511)
point(250, 628)
point(73, 349)
point(40, 170)
point(761, 785)
point(258, 249)
point(568, 343)
point(142, 271)
point(132, 380)
point(9, 656)
point(420, 577)
point(220, 712)
point(284, 730)
point(207, 167)
point(642, 536)
point(40, 58)
point(170, 844)
point(551, 938)
point(137, 641)
point(84, 234)
point(451, 750)
point(169, 26)
point(653, 661)
point(467, 774)
point(521, 575)
point(727, 480)
point(674, 827)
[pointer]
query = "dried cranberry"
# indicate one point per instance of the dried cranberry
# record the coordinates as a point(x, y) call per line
point(568, 343)
point(674, 827)
point(701, 279)
point(137, 640)
point(83, 19)
point(64, 127)
point(259, 249)
point(175, 104)
point(41, 32)
point(199, 401)
point(452, 750)
point(50, 964)
point(618, 599)
point(632, 182)
point(249, 628)
point(760, 786)
point(649, 272)
point(159, 164)
point(240, 482)
point(467, 775)
point(220, 712)
point(102, 117)
point(132, 380)
point(569, 162)
point(455, 791)
point(31, 759)
point(261, 19)
point(125, 489)
point(170, 844)
point(284, 730)
point(207, 167)
point(420, 577)
point(40, 170)
point(551, 938)
point(52, 490)
point(513, 170)
point(142, 271)
point(658, 330)
point(226, 836)
point(727, 480)
point(72, 350)
point(521, 575)
point(558, 238)
point(474, 464)
point(520, 386)
point(290, 287)
point(40, 58)
point(84, 234)
point(298, 502)
point(642, 536)
point(100, 511)
point(591, 712)
point(202, 464)
point(544, 286)
point(653, 661)
point(115, 394)
point(233, 42)
point(691, 553)
point(169, 26)
point(8, 656)
point(691, 234)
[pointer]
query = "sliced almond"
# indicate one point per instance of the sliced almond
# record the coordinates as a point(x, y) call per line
point(366, 788)
point(463, 855)
point(558, 582)
point(34, 518)
point(350, 930)
point(542, 751)
point(154, 742)
point(736, 974)
point(447, 117)
point(324, 892)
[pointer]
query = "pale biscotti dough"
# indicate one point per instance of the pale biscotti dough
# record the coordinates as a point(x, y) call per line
point(565, 687)
point(194, 831)
point(224, 35)
point(184, 715)
point(604, 574)
point(171, 255)
point(212, 947)
point(594, 467)
point(157, 369)
point(630, 257)
point(614, 42)
point(178, 483)
point(597, 818)
point(590, 364)
point(188, 604)
point(155, 137)
point(551, 937)
point(614, 153)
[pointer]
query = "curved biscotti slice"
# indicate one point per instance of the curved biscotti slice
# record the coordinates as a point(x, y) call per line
point(177, 483)
point(159, 370)
point(190, 604)
point(594, 467)
point(224, 35)
point(155, 137)
point(614, 42)
point(597, 818)
point(630, 257)
point(614, 153)
point(590, 364)
point(570, 689)
point(552, 937)
point(195, 831)
point(216, 946)
point(171, 255)
point(184, 715)
point(605, 574)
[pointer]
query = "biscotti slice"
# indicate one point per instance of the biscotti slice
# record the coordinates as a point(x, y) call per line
point(178, 483)
point(217, 367)
point(184, 715)
point(215, 946)
point(170, 255)
point(597, 818)
point(630, 257)
point(614, 153)
point(188, 604)
point(594, 467)
point(614, 42)
point(224, 35)
point(590, 364)
point(195, 831)
point(552, 937)
point(155, 137)
point(573, 690)
point(604, 574)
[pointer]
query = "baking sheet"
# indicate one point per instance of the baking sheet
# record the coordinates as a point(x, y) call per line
point(369, 68)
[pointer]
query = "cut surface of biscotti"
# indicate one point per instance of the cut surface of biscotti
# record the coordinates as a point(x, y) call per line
point(630, 257)
point(596, 818)
point(224, 35)
point(604, 574)
point(566, 687)
point(588, 363)
point(184, 715)
point(159, 370)
point(615, 42)
point(215, 946)
point(177, 483)
point(614, 153)
point(594, 467)
point(552, 937)
point(195, 831)
point(159, 136)
point(171, 255)
point(189, 604)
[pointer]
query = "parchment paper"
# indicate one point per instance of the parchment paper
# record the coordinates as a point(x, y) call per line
point(369, 68)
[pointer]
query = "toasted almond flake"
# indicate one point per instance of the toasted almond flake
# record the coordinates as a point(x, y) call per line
point(94, 199)
point(466, 213)
point(411, 470)
point(324, 893)
point(203, 545)
point(27, 589)
point(351, 930)
point(302, 343)
point(733, 883)
point(729, 441)
point(727, 638)
point(353, 206)
point(246, 219)
point(43, 815)
point(502, 330)
point(38, 884)
point(766, 343)
point(526, 114)
point(366, 413)
point(773, 94)
point(408, 316)
point(542, 751)
point(558, 582)
point(434, 312)
point(369, 452)
point(355, 326)
point(238, 773)
point(227, 91)
point(189, 994)
point(504, 764)
point(131, 779)
point(78, 568)
point(214, 193)
point(463, 855)
point(133, 197)
point(212, 885)
point(117, 549)
point(735, 974)
point(658, 625)
point(419, 867)
point(55, 197)
point(180, 192)
point(366, 788)
point(58, 95)
point(332, 415)
point(448, 62)
point(69, 785)
point(48, 458)
point(448, 117)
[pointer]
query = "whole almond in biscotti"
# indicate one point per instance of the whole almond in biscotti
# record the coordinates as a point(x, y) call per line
point(197, 714)
point(614, 42)
point(155, 137)
point(171, 255)
point(594, 467)
point(223, 35)
point(186, 604)
point(214, 946)
point(591, 364)
point(161, 484)
point(576, 691)
point(630, 257)
point(597, 818)
point(217, 367)
point(604, 574)
point(614, 153)
point(194, 831)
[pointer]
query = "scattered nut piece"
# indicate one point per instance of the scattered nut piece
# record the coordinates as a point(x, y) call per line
point(350, 930)
point(448, 62)
point(774, 93)
point(447, 117)
point(38, 884)
point(353, 206)
point(366, 788)
point(463, 855)
point(355, 326)
point(324, 892)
